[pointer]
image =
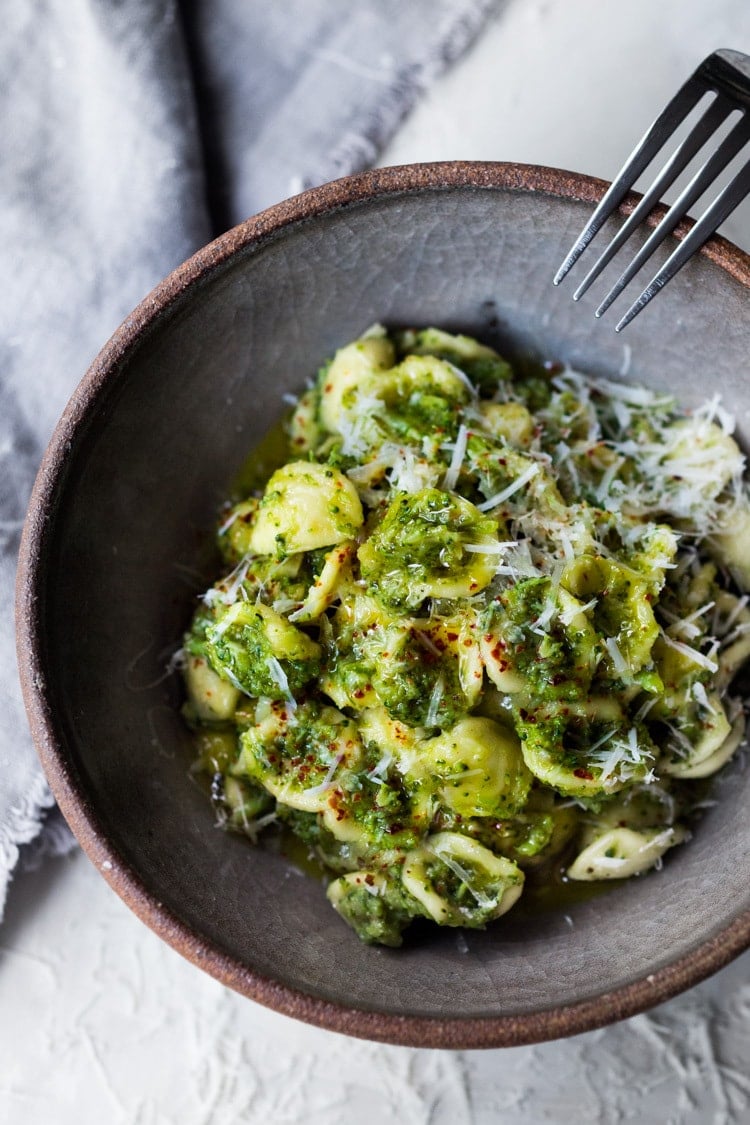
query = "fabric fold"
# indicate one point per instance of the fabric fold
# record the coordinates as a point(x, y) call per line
point(134, 132)
point(102, 193)
point(294, 94)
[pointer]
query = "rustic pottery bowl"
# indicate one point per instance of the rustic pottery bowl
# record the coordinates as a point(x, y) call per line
point(117, 545)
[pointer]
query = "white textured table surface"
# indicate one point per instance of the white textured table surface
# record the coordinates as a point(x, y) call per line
point(101, 1022)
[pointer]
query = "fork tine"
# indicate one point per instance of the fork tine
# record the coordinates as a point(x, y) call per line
point(686, 98)
point(716, 113)
point(726, 201)
point(704, 177)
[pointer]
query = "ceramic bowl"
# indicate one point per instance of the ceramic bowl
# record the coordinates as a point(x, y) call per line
point(117, 544)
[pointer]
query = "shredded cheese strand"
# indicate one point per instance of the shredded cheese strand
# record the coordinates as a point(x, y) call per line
point(512, 488)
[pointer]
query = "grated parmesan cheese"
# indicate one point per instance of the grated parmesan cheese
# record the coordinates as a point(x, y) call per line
point(436, 698)
point(619, 661)
point(512, 488)
point(691, 653)
point(450, 479)
point(327, 782)
point(278, 675)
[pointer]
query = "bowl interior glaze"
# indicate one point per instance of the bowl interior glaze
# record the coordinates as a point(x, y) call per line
point(117, 546)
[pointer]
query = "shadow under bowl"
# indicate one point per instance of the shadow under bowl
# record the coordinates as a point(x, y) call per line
point(116, 548)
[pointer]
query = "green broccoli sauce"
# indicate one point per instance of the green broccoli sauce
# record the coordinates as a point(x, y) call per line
point(405, 682)
point(548, 892)
point(427, 534)
point(556, 662)
point(554, 893)
point(271, 452)
point(462, 647)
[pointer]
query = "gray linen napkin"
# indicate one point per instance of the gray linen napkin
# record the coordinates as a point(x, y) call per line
point(133, 132)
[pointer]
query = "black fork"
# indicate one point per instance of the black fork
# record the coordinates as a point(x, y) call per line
point(727, 75)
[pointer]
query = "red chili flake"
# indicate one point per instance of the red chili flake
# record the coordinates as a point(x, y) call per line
point(585, 774)
point(453, 636)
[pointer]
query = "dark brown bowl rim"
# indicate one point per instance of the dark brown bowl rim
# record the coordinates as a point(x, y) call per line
point(414, 1031)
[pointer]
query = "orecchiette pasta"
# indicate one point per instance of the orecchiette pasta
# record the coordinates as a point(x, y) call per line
point(349, 369)
point(477, 634)
point(491, 883)
point(619, 853)
point(305, 506)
